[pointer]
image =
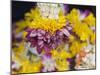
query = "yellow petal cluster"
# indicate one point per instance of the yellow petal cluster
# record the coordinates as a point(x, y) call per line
point(90, 20)
point(34, 20)
point(81, 27)
point(60, 58)
point(76, 47)
point(30, 67)
point(62, 65)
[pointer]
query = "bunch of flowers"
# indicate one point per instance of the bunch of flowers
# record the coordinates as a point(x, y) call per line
point(50, 38)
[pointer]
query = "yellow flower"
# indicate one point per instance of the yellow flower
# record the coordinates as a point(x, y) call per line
point(62, 65)
point(63, 54)
point(60, 58)
point(30, 67)
point(73, 16)
point(90, 20)
point(32, 15)
point(50, 25)
point(34, 20)
point(83, 31)
point(26, 65)
point(21, 25)
point(20, 48)
point(81, 27)
point(19, 53)
point(76, 47)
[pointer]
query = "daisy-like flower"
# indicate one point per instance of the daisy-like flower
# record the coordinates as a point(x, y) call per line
point(49, 10)
point(89, 59)
point(86, 58)
point(48, 64)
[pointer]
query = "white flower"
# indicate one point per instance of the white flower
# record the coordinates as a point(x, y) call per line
point(88, 48)
point(48, 10)
point(49, 64)
point(87, 62)
point(89, 59)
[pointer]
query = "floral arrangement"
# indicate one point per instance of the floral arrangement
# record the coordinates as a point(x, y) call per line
point(50, 38)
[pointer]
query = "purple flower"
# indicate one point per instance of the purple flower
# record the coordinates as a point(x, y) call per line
point(43, 40)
